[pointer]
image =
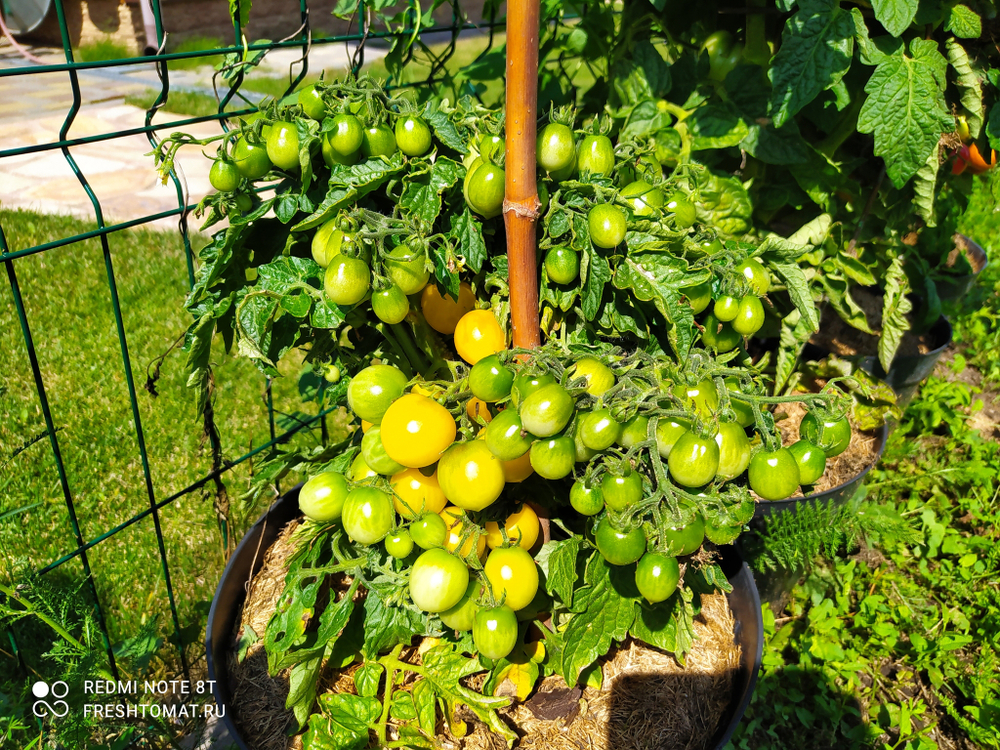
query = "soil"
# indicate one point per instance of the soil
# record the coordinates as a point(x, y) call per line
point(838, 337)
point(987, 419)
point(647, 699)
point(860, 454)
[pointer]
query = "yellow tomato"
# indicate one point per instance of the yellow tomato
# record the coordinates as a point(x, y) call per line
point(365, 426)
point(521, 526)
point(417, 430)
point(360, 470)
point(455, 520)
point(478, 335)
point(599, 376)
point(417, 493)
point(518, 469)
point(470, 475)
point(513, 576)
point(478, 411)
point(443, 313)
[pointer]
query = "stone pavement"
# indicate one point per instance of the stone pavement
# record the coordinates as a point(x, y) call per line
point(33, 110)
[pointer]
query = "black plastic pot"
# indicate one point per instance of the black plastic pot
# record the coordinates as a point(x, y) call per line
point(248, 558)
point(838, 495)
point(952, 289)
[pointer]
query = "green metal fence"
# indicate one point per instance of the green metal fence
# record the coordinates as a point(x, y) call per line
point(79, 546)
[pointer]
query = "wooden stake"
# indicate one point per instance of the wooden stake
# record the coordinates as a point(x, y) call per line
point(521, 205)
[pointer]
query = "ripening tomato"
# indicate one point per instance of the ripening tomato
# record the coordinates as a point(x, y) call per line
point(586, 500)
point(553, 458)
point(429, 530)
point(471, 477)
point(734, 450)
point(694, 460)
point(668, 432)
point(755, 275)
point(744, 412)
point(360, 471)
point(490, 380)
point(556, 147)
point(416, 430)
point(416, 492)
point(836, 434)
point(811, 461)
point(657, 576)
point(443, 313)
point(699, 296)
point(634, 431)
point(518, 469)
point(504, 436)
point(390, 305)
point(459, 528)
point(407, 269)
point(547, 411)
point(607, 225)
point(644, 199)
point(726, 308)
point(599, 430)
point(322, 497)
point(484, 190)
point(774, 475)
point(347, 280)
point(438, 581)
point(462, 616)
point(478, 335)
point(598, 375)
point(331, 157)
point(413, 136)
point(513, 576)
point(619, 547)
point(702, 398)
point(621, 491)
point(283, 145)
point(685, 213)
point(494, 631)
point(399, 544)
point(375, 455)
point(596, 155)
point(525, 384)
point(372, 391)
point(311, 101)
point(521, 526)
point(367, 515)
point(224, 176)
point(583, 453)
point(562, 265)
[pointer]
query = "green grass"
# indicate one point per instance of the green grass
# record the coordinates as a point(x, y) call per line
point(101, 50)
point(68, 306)
point(191, 103)
point(195, 44)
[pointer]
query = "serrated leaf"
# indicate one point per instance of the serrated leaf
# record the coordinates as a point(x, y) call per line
point(422, 192)
point(664, 625)
point(521, 674)
point(816, 48)
point(558, 562)
point(302, 688)
point(837, 292)
point(367, 679)
point(443, 128)
point(387, 626)
point(714, 126)
point(798, 289)
point(348, 183)
point(468, 232)
point(905, 108)
point(342, 723)
point(793, 337)
point(964, 22)
point(198, 342)
point(873, 51)
point(895, 307)
point(969, 84)
point(895, 15)
point(924, 183)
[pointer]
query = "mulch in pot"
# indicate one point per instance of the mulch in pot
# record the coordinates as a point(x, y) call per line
point(647, 700)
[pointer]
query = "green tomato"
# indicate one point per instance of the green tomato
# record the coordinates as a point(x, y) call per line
point(599, 430)
point(399, 545)
point(553, 458)
point(621, 491)
point(429, 531)
point(734, 450)
point(598, 375)
point(810, 459)
point(368, 515)
point(644, 199)
point(685, 213)
point(374, 453)
point(390, 305)
point(347, 280)
point(413, 137)
point(438, 581)
point(504, 436)
point(462, 616)
point(718, 335)
point(749, 316)
point(668, 432)
point(489, 380)
point(283, 146)
point(702, 398)
point(774, 475)
point(685, 540)
point(586, 500)
point(547, 411)
point(755, 275)
point(346, 136)
point(251, 158)
point(484, 190)
point(634, 431)
point(693, 461)
point(494, 631)
point(596, 155)
point(525, 385)
point(607, 225)
point(726, 308)
point(322, 497)
point(332, 157)
point(699, 296)
point(619, 547)
point(372, 391)
point(556, 148)
point(836, 434)
point(407, 269)
point(723, 54)
point(224, 176)
point(657, 576)
point(311, 101)
point(744, 412)
point(377, 140)
point(562, 265)
point(582, 452)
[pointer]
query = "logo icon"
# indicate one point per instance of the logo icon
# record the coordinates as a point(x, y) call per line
point(42, 707)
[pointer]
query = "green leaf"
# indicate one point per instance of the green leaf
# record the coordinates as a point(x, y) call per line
point(668, 625)
point(905, 108)
point(714, 126)
point(598, 274)
point(837, 292)
point(873, 51)
point(895, 15)
point(443, 127)
point(641, 75)
point(348, 183)
point(239, 11)
point(387, 626)
point(964, 22)
point(895, 307)
point(422, 191)
point(468, 233)
point(302, 688)
point(924, 184)
point(603, 616)
point(342, 723)
point(969, 84)
point(793, 337)
point(798, 289)
point(367, 678)
point(198, 342)
point(558, 562)
point(644, 120)
point(816, 48)
point(993, 129)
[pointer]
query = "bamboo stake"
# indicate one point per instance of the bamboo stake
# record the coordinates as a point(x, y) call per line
point(521, 205)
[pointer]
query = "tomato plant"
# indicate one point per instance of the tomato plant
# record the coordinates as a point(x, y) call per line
point(438, 580)
point(416, 430)
point(367, 515)
point(322, 496)
point(413, 136)
point(607, 226)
